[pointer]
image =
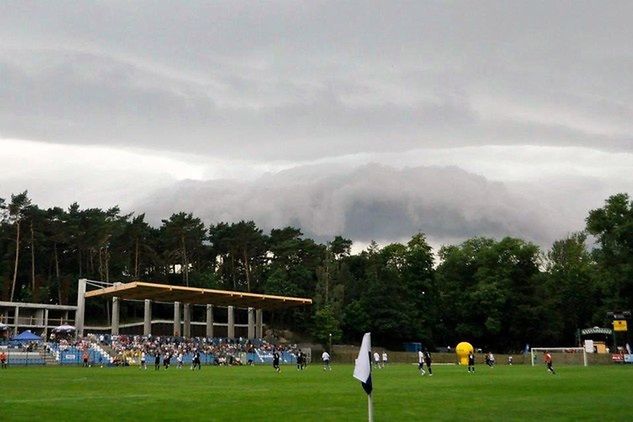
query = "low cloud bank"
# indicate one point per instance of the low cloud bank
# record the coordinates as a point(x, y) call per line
point(370, 202)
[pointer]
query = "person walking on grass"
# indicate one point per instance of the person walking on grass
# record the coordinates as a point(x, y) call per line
point(421, 362)
point(195, 362)
point(547, 357)
point(471, 362)
point(326, 361)
point(377, 359)
point(428, 360)
point(276, 361)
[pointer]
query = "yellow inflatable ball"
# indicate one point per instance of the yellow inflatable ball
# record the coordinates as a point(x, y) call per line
point(462, 350)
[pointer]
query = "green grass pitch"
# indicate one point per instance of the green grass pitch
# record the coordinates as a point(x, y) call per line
point(257, 393)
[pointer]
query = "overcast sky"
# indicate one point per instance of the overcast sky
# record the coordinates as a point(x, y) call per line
point(368, 119)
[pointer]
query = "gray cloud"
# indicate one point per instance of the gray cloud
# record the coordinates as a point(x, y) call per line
point(285, 80)
point(369, 202)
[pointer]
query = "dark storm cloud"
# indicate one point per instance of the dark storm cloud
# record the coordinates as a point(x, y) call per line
point(289, 80)
point(369, 202)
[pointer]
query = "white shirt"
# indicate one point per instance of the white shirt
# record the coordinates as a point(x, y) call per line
point(384, 357)
point(420, 356)
point(325, 356)
point(376, 357)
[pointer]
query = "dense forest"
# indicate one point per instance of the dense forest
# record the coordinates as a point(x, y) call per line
point(499, 294)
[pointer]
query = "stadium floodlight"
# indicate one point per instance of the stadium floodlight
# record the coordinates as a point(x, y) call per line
point(568, 351)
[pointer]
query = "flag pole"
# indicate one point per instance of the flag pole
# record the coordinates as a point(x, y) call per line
point(362, 372)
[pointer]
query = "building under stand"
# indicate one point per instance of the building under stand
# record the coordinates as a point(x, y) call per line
point(41, 318)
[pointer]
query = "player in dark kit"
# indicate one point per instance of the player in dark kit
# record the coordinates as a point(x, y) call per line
point(195, 362)
point(299, 360)
point(276, 361)
point(157, 361)
point(471, 362)
point(428, 360)
point(548, 361)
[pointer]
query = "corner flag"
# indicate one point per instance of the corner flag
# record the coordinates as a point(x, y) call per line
point(362, 368)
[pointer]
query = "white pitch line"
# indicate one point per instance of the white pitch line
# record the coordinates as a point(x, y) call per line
point(55, 399)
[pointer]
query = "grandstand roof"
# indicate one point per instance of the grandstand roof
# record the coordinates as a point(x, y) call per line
point(170, 293)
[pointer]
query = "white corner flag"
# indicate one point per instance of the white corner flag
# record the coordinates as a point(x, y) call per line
point(362, 371)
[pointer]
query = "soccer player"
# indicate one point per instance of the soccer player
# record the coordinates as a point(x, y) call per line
point(304, 360)
point(157, 361)
point(299, 360)
point(377, 359)
point(428, 360)
point(548, 361)
point(179, 360)
point(471, 362)
point(384, 359)
point(3, 360)
point(276, 361)
point(85, 358)
point(421, 362)
point(143, 357)
point(195, 362)
point(490, 359)
point(326, 361)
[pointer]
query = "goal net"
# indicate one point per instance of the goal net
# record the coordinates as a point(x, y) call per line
point(560, 355)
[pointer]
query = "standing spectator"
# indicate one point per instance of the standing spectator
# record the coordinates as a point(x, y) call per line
point(326, 361)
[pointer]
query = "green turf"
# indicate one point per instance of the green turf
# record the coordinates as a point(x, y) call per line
point(257, 393)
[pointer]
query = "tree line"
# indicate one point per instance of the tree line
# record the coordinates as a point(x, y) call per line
point(498, 294)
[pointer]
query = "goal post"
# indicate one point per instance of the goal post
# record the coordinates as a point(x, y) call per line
point(568, 351)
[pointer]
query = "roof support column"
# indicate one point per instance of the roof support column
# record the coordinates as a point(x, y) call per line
point(81, 307)
point(16, 317)
point(147, 318)
point(231, 322)
point(187, 320)
point(259, 318)
point(209, 320)
point(251, 323)
point(115, 316)
point(176, 319)
point(46, 325)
